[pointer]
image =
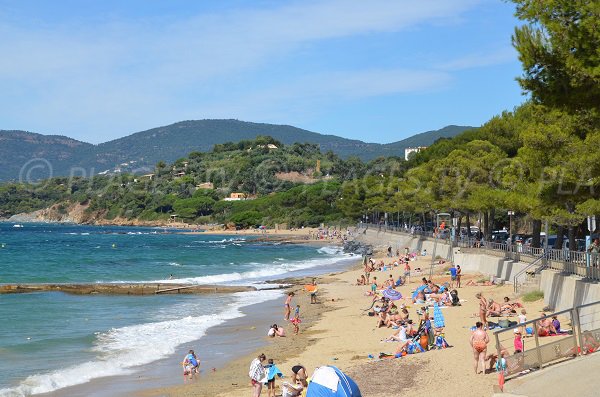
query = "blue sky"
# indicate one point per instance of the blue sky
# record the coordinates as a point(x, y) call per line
point(378, 71)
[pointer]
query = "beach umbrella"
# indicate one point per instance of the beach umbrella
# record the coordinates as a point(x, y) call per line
point(329, 381)
point(392, 294)
point(438, 317)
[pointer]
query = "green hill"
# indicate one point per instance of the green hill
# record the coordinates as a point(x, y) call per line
point(140, 151)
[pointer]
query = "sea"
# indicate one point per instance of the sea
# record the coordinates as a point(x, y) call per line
point(52, 341)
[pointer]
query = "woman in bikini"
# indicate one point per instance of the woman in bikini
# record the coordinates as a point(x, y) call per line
point(482, 310)
point(288, 306)
point(479, 340)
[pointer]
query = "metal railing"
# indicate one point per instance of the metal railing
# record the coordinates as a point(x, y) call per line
point(583, 264)
point(578, 335)
point(538, 264)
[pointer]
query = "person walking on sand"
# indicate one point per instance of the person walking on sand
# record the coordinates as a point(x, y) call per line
point(406, 272)
point(483, 304)
point(453, 272)
point(479, 340)
point(257, 375)
point(287, 306)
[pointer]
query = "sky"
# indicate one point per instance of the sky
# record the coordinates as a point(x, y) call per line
point(378, 71)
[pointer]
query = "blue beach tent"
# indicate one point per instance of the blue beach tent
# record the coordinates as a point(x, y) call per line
point(329, 381)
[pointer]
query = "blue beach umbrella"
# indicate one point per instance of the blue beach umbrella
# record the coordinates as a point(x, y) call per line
point(392, 294)
point(419, 289)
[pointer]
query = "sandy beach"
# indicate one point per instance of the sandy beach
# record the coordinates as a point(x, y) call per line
point(337, 331)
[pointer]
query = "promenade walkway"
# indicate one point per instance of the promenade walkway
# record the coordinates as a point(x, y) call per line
point(573, 378)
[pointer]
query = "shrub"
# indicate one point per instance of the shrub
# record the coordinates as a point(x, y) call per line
point(533, 296)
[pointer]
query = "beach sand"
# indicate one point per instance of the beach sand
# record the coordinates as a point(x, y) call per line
point(337, 331)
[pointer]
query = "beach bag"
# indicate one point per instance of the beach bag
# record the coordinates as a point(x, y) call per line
point(424, 341)
point(440, 342)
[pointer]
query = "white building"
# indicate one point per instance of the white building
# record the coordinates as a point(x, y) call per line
point(410, 150)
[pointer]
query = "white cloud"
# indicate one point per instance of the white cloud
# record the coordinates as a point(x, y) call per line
point(481, 59)
point(110, 76)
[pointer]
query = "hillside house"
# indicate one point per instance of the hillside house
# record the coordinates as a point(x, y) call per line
point(236, 197)
point(206, 185)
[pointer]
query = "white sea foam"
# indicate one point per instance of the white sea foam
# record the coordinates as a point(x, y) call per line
point(261, 271)
point(121, 350)
point(331, 250)
point(225, 240)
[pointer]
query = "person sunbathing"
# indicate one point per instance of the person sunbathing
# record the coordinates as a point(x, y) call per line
point(482, 284)
point(494, 309)
point(398, 336)
point(362, 280)
point(443, 298)
point(545, 326)
point(590, 343)
point(397, 319)
point(509, 306)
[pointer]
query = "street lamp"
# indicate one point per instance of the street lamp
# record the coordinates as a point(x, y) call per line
point(510, 215)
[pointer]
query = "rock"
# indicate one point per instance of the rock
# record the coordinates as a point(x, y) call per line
point(357, 248)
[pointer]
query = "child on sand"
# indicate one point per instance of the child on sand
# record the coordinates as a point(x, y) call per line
point(518, 342)
point(190, 365)
point(522, 321)
point(272, 371)
point(296, 320)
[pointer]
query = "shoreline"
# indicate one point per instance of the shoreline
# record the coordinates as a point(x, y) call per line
point(339, 333)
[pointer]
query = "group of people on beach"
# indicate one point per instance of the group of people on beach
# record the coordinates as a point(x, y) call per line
point(261, 375)
point(330, 234)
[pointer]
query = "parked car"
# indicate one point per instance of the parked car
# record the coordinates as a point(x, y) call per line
point(499, 236)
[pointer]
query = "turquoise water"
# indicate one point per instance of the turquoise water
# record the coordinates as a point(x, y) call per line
point(49, 341)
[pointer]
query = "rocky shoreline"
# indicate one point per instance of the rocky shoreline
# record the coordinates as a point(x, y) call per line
point(123, 289)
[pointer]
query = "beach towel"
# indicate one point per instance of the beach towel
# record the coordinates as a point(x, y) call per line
point(438, 317)
point(273, 371)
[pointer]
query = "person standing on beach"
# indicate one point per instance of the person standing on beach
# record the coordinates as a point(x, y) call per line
point(452, 276)
point(458, 276)
point(368, 269)
point(406, 272)
point(483, 308)
point(313, 294)
point(287, 306)
point(479, 340)
point(257, 375)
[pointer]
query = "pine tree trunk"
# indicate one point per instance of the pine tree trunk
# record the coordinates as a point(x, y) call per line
point(537, 229)
point(560, 237)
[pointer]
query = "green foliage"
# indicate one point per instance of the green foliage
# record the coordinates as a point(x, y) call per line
point(533, 296)
point(559, 48)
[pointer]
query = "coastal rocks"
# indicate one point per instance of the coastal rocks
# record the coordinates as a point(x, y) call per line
point(358, 248)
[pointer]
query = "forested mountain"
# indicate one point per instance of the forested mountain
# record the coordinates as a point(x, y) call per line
point(139, 152)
